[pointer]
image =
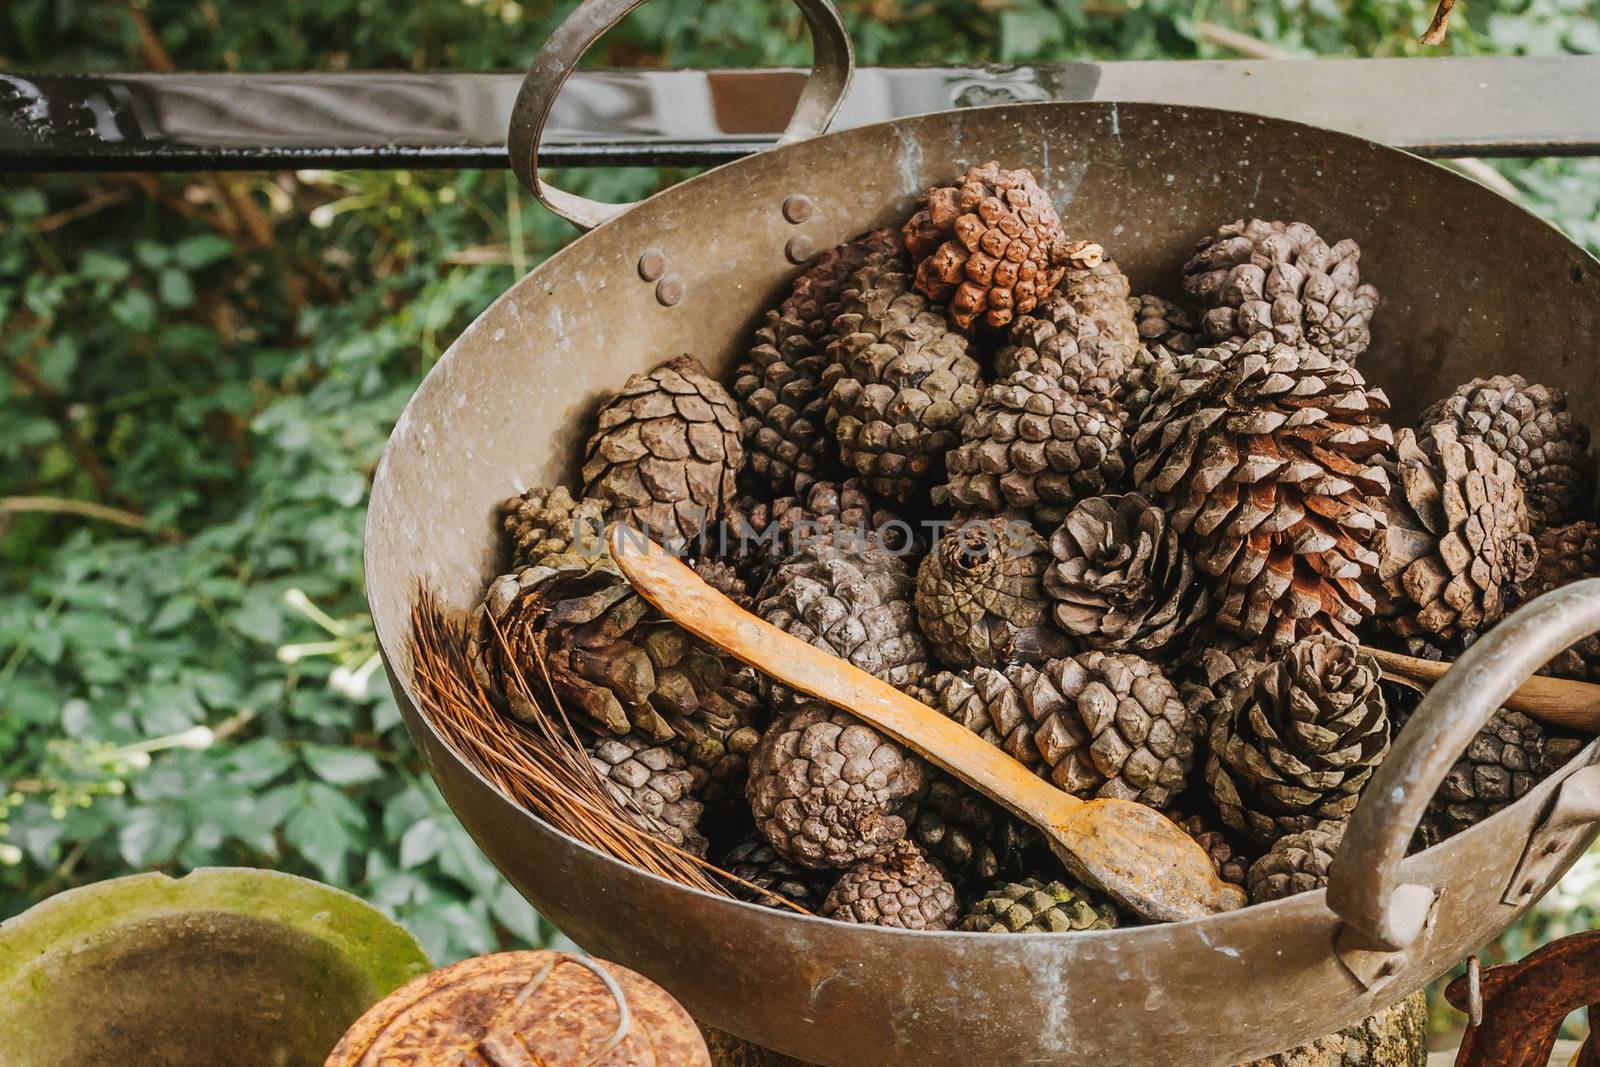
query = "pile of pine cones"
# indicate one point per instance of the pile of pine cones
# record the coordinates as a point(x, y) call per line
point(1132, 541)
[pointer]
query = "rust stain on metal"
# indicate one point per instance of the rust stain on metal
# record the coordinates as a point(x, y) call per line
point(522, 1009)
point(1522, 1005)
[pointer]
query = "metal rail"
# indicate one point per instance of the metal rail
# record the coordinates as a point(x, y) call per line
point(1435, 107)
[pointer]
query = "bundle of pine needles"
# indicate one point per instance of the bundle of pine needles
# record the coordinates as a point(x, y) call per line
point(542, 767)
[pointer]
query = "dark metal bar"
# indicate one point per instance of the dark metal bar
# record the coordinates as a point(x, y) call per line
point(1435, 107)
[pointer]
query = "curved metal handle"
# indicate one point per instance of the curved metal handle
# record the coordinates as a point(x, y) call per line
point(1363, 885)
point(832, 65)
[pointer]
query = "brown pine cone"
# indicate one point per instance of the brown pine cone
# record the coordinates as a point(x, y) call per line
point(1100, 293)
point(546, 522)
point(1456, 546)
point(900, 889)
point(779, 386)
point(980, 599)
point(1231, 864)
point(1281, 279)
point(823, 788)
point(724, 578)
point(1034, 907)
point(653, 787)
point(1055, 339)
point(768, 874)
point(1033, 446)
point(1152, 368)
point(1100, 724)
point(1567, 554)
point(1120, 579)
point(1509, 757)
point(1297, 863)
point(899, 382)
point(990, 245)
point(1163, 324)
point(1296, 745)
point(763, 534)
point(1264, 456)
point(1529, 425)
point(667, 452)
point(969, 836)
point(966, 698)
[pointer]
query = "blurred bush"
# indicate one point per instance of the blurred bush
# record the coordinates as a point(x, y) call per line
point(197, 374)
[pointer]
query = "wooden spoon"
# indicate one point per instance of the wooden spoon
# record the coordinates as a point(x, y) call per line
point(1141, 859)
point(1556, 701)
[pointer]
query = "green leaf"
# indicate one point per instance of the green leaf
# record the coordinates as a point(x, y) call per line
point(421, 842)
point(135, 310)
point(103, 267)
point(174, 289)
point(202, 250)
point(150, 836)
point(342, 766)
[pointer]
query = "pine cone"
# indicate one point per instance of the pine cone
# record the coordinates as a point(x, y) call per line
point(779, 387)
point(1567, 554)
point(753, 860)
point(1263, 455)
point(966, 698)
point(1152, 368)
point(1056, 340)
point(653, 787)
point(1530, 426)
point(899, 382)
point(547, 522)
point(763, 534)
point(1100, 724)
point(971, 839)
point(980, 599)
point(611, 658)
point(1397, 1036)
point(900, 889)
point(1297, 863)
point(1120, 579)
point(823, 788)
point(991, 245)
point(1033, 446)
point(724, 578)
point(1034, 907)
point(666, 452)
point(1163, 324)
point(1231, 864)
point(1100, 293)
point(1509, 757)
point(1457, 544)
point(1295, 746)
point(853, 599)
point(1282, 279)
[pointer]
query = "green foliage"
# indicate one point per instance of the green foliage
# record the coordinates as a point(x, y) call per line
point(186, 678)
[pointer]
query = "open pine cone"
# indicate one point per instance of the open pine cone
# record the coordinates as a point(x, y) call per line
point(1232, 866)
point(1120, 579)
point(968, 835)
point(754, 861)
point(1163, 324)
point(1265, 457)
point(1283, 280)
point(990, 245)
point(667, 452)
point(1295, 746)
point(966, 697)
point(1457, 546)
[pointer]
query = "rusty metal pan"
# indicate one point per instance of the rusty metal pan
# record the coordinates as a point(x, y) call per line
point(1471, 285)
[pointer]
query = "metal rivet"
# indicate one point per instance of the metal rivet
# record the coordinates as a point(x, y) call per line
point(800, 248)
point(669, 290)
point(653, 264)
point(798, 207)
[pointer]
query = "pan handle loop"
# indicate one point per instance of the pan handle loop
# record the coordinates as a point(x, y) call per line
point(1364, 886)
point(832, 65)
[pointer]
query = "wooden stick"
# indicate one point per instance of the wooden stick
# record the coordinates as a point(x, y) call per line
point(1555, 701)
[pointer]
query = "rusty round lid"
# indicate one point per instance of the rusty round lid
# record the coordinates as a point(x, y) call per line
point(526, 1009)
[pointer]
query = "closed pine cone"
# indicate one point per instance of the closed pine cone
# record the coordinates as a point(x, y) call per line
point(1282, 279)
point(968, 835)
point(1055, 338)
point(990, 245)
point(1296, 745)
point(1296, 863)
point(612, 659)
point(1265, 457)
point(1033, 446)
point(1034, 907)
point(544, 522)
point(824, 786)
point(899, 382)
point(1502, 764)
point(1456, 546)
point(667, 452)
point(1163, 324)
point(851, 598)
point(1232, 865)
point(1530, 425)
point(779, 386)
point(753, 860)
point(653, 787)
point(1100, 724)
point(1120, 579)
point(966, 698)
point(980, 599)
point(1100, 293)
point(1566, 554)
point(900, 889)
point(763, 534)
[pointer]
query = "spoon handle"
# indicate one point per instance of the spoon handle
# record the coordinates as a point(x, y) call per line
point(1556, 701)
